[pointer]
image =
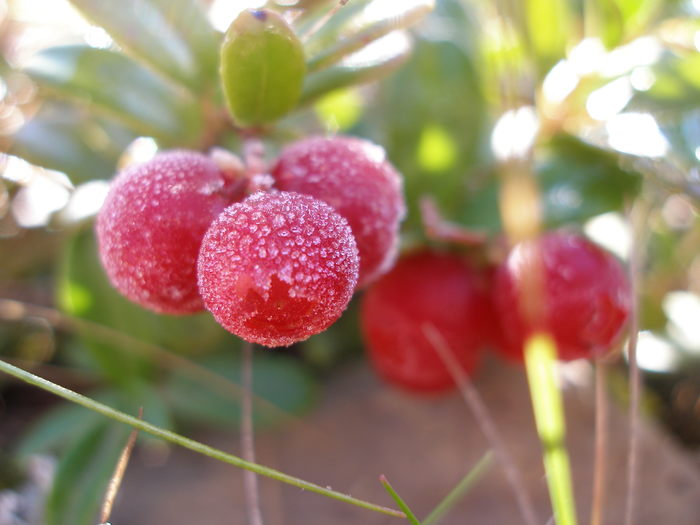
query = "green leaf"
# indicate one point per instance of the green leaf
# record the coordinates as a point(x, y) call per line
point(354, 70)
point(579, 181)
point(549, 30)
point(317, 29)
point(364, 29)
point(111, 83)
point(171, 36)
point(437, 144)
point(280, 380)
point(68, 139)
point(676, 85)
point(262, 67)
point(85, 292)
point(58, 426)
point(82, 475)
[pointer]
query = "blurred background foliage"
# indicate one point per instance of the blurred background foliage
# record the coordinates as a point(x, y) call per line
point(605, 92)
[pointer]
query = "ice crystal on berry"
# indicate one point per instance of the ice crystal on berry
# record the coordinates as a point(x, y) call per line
point(355, 178)
point(278, 267)
point(151, 225)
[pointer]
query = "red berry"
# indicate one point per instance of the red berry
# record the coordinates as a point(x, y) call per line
point(586, 296)
point(151, 225)
point(278, 268)
point(354, 177)
point(440, 289)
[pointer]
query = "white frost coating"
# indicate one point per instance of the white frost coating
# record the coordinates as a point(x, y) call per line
point(281, 289)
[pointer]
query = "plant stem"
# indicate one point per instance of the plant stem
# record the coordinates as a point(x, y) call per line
point(460, 489)
point(540, 362)
point(189, 443)
point(250, 479)
point(601, 444)
point(486, 424)
point(639, 218)
point(400, 502)
point(118, 475)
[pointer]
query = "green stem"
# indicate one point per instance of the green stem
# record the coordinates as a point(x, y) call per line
point(400, 502)
point(460, 489)
point(190, 444)
point(540, 361)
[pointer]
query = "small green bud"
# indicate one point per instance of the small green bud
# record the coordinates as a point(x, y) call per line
point(262, 67)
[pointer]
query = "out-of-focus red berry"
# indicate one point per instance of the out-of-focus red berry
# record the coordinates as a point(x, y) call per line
point(586, 300)
point(440, 289)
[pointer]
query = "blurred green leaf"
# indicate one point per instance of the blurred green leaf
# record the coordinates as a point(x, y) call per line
point(682, 131)
point(550, 27)
point(84, 291)
point(341, 108)
point(172, 36)
point(111, 83)
point(59, 426)
point(431, 115)
point(579, 181)
point(368, 27)
point(69, 139)
point(352, 72)
point(83, 473)
point(280, 380)
point(262, 67)
point(638, 16)
point(676, 85)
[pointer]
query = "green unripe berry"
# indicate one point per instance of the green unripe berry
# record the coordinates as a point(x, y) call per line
point(262, 67)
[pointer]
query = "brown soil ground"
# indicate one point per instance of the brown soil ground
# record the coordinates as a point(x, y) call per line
point(424, 446)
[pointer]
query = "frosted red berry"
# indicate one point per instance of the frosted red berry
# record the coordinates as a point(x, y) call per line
point(441, 289)
point(355, 178)
point(278, 268)
point(586, 299)
point(151, 225)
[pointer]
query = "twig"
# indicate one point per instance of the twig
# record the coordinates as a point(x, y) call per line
point(635, 380)
point(187, 443)
point(116, 480)
point(601, 444)
point(488, 427)
point(250, 479)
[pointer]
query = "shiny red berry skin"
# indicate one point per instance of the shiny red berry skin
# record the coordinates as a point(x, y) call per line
point(278, 268)
point(587, 297)
point(441, 289)
point(151, 225)
point(355, 178)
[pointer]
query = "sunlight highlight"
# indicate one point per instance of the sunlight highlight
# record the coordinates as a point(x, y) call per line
point(514, 134)
point(223, 12)
point(655, 354)
point(683, 311)
point(612, 231)
point(636, 134)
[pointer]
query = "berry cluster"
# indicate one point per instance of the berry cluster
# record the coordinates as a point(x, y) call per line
point(179, 233)
point(584, 302)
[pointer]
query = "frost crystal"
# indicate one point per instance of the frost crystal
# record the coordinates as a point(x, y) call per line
point(268, 287)
point(353, 176)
